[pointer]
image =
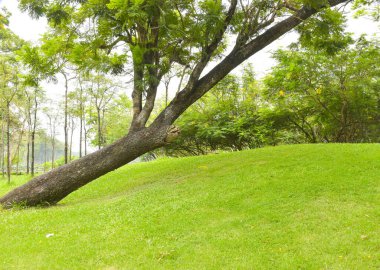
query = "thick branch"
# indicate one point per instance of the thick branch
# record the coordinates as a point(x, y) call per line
point(239, 54)
point(210, 49)
point(151, 62)
point(137, 93)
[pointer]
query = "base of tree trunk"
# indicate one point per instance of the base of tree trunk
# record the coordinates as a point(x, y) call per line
point(51, 187)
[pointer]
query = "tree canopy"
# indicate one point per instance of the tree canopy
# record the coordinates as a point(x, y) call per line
point(149, 38)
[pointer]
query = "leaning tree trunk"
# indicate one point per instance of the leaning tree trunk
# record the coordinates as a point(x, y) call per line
point(53, 186)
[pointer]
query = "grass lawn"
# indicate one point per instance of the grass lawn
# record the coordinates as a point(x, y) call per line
point(288, 207)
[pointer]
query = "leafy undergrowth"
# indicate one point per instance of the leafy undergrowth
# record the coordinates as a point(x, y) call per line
point(288, 207)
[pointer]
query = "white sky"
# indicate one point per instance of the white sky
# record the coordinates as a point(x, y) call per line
point(31, 30)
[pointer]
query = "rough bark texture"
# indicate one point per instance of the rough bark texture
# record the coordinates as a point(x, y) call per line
point(53, 186)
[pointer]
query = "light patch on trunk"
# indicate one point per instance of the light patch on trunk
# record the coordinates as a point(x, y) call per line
point(172, 134)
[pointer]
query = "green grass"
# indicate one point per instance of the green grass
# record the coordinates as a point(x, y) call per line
point(288, 207)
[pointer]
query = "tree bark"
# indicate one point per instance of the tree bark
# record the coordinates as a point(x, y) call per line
point(80, 136)
point(45, 152)
point(32, 165)
point(28, 137)
point(53, 186)
point(27, 154)
point(85, 137)
point(32, 152)
point(52, 152)
point(8, 144)
point(81, 122)
point(71, 139)
point(66, 129)
point(99, 128)
point(2, 146)
point(17, 152)
point(66, 125)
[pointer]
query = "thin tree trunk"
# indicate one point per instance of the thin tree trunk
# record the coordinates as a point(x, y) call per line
point(85, 141)
point(29, 138)
point(181, 80)
point(18, 149)
point(52, 126)
point(99, 128)
point(45, 153)
point(18, 161)
point(8, 143)
point(80, 131)
point(34, 134)
point(27, 154)
point(71, 138)
point(29, 116)
point(66, 120)
point(2, 147)
point(85, 132)
point(32, 153)
point(80, 137)
point(52, 152)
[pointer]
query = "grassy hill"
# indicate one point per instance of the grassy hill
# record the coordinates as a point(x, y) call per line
point(288, 207)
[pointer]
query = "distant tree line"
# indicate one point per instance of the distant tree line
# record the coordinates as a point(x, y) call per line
point(92, 105)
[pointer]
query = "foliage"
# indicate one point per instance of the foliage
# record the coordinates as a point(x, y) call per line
point(328, 98)
point(227, 118)
point(314, 94)
point(368, 7)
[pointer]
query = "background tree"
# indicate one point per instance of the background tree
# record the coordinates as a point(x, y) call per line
point(9, 89)
point(53, 122)
point(328, 98)
point(101, 91)
point(78, 110)
point(34, 96)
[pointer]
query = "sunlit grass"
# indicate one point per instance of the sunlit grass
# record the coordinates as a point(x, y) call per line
point(288, 207)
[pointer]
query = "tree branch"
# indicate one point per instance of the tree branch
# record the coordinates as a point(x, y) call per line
point(210, 49)
point(195, 90)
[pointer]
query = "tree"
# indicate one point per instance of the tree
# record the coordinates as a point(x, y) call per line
point(9, 79)
point(33, 96)
point(79, 98)
point(101, 91)
point(226, 118)
point(20, 118)
point(158, 35)
point(9, 89)
point(53, 117)
point(327, 97)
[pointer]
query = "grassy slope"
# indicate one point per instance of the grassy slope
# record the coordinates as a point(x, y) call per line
point(289, 207)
